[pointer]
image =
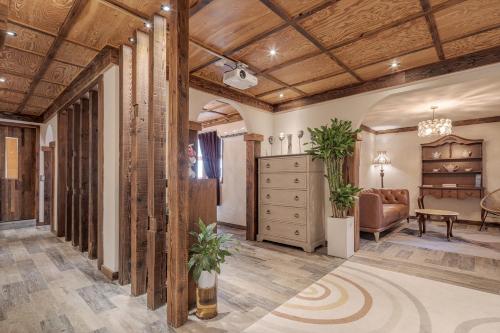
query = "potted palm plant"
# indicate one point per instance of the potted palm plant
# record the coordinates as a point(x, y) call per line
point(207, 255)
point(332, 144)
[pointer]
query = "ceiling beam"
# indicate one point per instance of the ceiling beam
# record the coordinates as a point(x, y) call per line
point(431, 23)
point(4, 13)
point(469, 61)
point(84, 81)
point(234, 117)
point(199, 6)
point(18, 117)
point(68, 23)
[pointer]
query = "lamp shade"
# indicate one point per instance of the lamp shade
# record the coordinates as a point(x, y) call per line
point(382, 158)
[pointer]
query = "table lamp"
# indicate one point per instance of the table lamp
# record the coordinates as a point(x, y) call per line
point(380, 160)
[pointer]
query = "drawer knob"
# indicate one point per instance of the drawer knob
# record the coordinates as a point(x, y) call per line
point(268, 196)
point(268, 165)
point(268, 228)
point(268, 211)
point(297, 233)
point(268, 180)
point(296, 164)
point(296, 215)
point(296, 180)
point(296, 198)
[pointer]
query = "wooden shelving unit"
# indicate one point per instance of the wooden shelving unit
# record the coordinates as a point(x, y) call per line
point(460, 154)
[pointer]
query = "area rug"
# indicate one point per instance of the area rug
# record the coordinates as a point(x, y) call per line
point(360, 298)
point(467, 239)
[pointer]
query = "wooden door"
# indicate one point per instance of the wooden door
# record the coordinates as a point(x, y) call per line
point(48, 183)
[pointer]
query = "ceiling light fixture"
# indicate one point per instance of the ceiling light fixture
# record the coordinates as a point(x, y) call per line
point(395, 64)
point(273, 52)
point(432, 127)
point(166, 8)
point(2, 79)
point(11, 33)
point(281, 95)
point(148, 25)
point(131, 40)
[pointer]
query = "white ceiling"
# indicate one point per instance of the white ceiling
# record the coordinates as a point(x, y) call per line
point(465, 100)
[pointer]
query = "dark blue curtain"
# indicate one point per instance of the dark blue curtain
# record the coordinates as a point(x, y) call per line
point(211, 152)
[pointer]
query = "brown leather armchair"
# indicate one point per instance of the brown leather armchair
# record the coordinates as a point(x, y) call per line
point(381, 209)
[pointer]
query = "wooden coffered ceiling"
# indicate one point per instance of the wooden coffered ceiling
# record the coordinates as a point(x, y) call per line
point(218, 112)
point(321, 45)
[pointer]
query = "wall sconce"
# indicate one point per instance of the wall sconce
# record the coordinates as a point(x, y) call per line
point(381, 160)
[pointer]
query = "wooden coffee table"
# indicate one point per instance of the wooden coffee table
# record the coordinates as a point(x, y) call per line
point(448, 216)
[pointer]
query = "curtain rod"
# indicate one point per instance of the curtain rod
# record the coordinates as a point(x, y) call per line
point(233, 135)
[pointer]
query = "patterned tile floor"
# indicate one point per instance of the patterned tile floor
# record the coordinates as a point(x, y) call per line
point(48, 286)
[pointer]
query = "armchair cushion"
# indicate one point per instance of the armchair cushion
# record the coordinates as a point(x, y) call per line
point(380, 209)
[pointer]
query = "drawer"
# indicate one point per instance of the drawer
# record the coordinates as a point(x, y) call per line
point(464, 194)
point(293, 198)
point(283, 180)
point(282, 213)
point(450, 194)
point(283, 164)
point(292, 231)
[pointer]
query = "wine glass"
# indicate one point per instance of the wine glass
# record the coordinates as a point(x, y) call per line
point(282, 137)
point(300, 134)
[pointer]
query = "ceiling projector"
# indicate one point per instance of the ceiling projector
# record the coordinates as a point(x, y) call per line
point(240, 78)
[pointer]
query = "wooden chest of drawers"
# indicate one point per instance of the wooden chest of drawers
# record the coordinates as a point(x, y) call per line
point(291, 199)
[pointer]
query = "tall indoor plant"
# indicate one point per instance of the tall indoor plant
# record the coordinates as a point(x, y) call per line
point(207, 254)
point(333, 144)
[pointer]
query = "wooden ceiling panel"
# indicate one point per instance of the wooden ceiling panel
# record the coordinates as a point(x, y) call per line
point(213, 105)
point(296, 7)
point(472, 43)
point(198, 56)
point(11, 96)
point(349, 19)
point(93, 27)
point(47, 89)
point(39, 102)
point(434, 3)
point(275, 97)
point(46, 15)
point(20, 62)
point(75, 54)
point(408, 61)
point(212, 72)
point(225, 24)
point(147, 7)
point(467, 17)
point(263, 86)
point(29, 40)
point(14, 82)
point(333, 82)
point(8, 107)
point(61, 73)
point(387, 44)
point(32, 110)
point(308, 69)
point(288, 43)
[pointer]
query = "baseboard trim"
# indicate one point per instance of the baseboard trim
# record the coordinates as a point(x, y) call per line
point(109, 273)
point(231, 225)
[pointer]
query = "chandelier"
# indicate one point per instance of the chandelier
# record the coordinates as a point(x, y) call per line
point(435, 126)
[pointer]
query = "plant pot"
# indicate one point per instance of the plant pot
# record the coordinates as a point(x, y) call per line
point(340, 236)
point(206, 295)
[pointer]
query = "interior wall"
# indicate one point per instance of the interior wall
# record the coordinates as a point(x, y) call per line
point(233, 187)
point(367, 172)
point(48, 133)
point(111, 168)
point(405, 171)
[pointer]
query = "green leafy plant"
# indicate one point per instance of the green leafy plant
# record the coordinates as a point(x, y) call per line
point(208, 252)
point(332, 144)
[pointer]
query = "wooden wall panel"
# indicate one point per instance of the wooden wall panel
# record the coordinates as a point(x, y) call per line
point(62, 156)
point(84, 174)
point(253, 151)
point(75, 168)
point(126, 114)
point(69, 168)
point(93, 173)
point(139, 165)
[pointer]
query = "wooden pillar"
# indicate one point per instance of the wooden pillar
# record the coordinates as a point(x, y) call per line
point(100, 171)
point(157, 182)
point(139, 165)
point(69, 167)
point(253, 151)
point(37, 174)
point(93, 173)
point(75, 217)
point(84, 175)
point(178, 163)
point(62, 155)
point(126, 114)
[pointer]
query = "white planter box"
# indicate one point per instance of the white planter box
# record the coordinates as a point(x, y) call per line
point(207, 280)
point(340, 237)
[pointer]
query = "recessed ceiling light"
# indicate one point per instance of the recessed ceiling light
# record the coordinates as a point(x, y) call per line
point(281, 95)
point(11, 33)
point(148, 25)
point(166, 8)
point(131, 40)
point(273, 52)
point(395, 64)
point(2, 79)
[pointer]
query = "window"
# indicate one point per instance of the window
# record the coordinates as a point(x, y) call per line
point(11, 158)
point(200, 172)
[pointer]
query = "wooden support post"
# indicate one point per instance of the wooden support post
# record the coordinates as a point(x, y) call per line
point(178, 164)
point(84, 175)
point(126, 114)
point(62, 155)
point(37, 174)
point(139, 165)
point(157, 182)
point(69, 167)
point(253, 151)
point(100, 172)
point(75, 217)
point(93, 173)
